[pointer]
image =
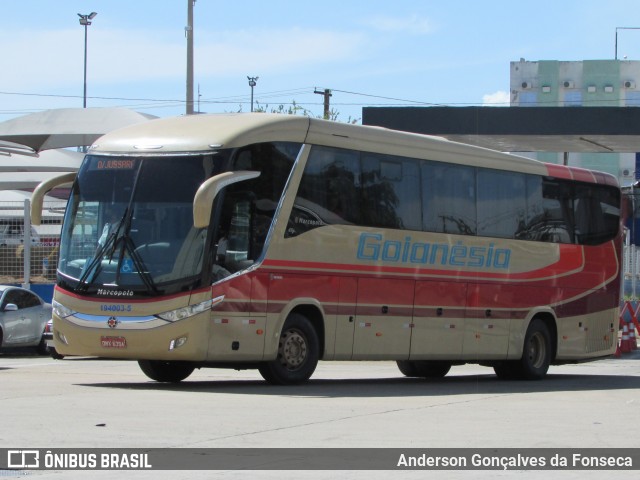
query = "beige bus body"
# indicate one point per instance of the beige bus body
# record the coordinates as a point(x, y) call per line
point(362, 310)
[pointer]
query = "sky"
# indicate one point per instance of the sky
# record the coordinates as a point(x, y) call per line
point(368, 52)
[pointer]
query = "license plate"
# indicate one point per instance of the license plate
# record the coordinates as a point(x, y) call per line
point(113, 342)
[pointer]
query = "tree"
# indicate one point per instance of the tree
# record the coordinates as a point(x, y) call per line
point(294, 109)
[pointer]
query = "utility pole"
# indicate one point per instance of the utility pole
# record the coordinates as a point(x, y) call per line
point(188, 31)
point(327, 94)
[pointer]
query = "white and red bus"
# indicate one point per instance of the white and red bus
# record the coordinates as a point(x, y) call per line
point(275, 241)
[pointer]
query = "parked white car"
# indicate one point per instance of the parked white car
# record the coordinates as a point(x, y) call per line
point(23, 317)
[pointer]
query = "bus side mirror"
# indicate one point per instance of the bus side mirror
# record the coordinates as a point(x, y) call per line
point(37, 198)
point(206, 194)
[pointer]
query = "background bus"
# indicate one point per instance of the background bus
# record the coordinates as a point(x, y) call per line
point(273, 241)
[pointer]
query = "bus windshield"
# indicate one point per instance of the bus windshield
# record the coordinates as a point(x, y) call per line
point(129, 223)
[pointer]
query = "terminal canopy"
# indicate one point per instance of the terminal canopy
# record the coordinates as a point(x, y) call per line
point(520, 129)
point(64, 127)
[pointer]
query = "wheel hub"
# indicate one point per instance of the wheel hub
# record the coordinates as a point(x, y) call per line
point(536, 350)
point(293, 349)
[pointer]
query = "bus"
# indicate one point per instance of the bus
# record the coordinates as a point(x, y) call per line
point(271, 242)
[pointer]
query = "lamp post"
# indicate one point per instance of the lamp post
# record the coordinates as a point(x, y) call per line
point(188, 31)
point(252, 83)
point(85, 21)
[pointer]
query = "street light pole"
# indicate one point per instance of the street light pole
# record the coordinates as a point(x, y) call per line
point(85, 21)
point(252, 83)
point(189, 34)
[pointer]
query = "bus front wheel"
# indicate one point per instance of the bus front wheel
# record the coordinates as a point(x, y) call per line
point(298, 353)
point(162, 371)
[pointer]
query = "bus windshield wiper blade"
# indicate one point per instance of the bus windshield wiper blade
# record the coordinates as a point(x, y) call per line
point(140, 266)
point(95, 264)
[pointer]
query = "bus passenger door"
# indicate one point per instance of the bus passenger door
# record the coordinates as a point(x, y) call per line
point(488, 321)
point(438, 320)
point(383, 320)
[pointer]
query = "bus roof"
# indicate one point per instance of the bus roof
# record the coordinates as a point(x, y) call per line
point(209, 132)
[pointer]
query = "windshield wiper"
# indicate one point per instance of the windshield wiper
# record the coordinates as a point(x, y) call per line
point(95, 265)
point(138, 264)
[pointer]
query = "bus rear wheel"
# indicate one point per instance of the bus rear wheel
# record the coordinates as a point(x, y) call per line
point(536, 355)
point(424, 368)
point(298, 353)
point(163, 371)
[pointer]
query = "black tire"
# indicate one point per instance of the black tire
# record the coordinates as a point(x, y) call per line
point(407, 368)
point(424, 368)
point(536, 355)
point(298, 353)
point(54, 354)
point(163, 371)
point(507, 370)
point(42, 347)
point(433, 368)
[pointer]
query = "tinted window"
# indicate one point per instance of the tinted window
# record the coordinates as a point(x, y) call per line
point(449, 198)
point(329, 191)
point(30, 300)
point(502, 203)
point(391, 192)
point(340, 186)
point(11, 296)
point(596, 213)
point(21, 298)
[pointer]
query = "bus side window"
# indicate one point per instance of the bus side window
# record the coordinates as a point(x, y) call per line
point(597, 213)
point(449, 198)
point(329, 191)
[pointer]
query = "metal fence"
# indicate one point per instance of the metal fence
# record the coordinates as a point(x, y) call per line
point(29, 254)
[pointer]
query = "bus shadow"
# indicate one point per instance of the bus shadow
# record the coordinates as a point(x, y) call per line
point(392, 387)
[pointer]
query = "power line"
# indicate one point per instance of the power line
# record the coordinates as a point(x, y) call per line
point(403, 100)
point(51, 95)
point(154, 103)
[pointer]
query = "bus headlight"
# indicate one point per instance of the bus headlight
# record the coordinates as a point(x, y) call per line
point(189, 311)
point(60, 310)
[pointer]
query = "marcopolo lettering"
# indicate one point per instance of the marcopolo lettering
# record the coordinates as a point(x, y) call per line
point(373, 246)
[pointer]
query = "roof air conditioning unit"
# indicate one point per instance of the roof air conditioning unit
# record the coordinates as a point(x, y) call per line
point(608, 89)
point(526, 85)
point(568, 84)
point(629, 84)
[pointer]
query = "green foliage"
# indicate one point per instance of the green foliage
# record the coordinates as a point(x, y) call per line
point(294, 109)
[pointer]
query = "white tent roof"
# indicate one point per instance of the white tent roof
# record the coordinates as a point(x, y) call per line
point(26, 172)
point(47, 161)
point(64, 127)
